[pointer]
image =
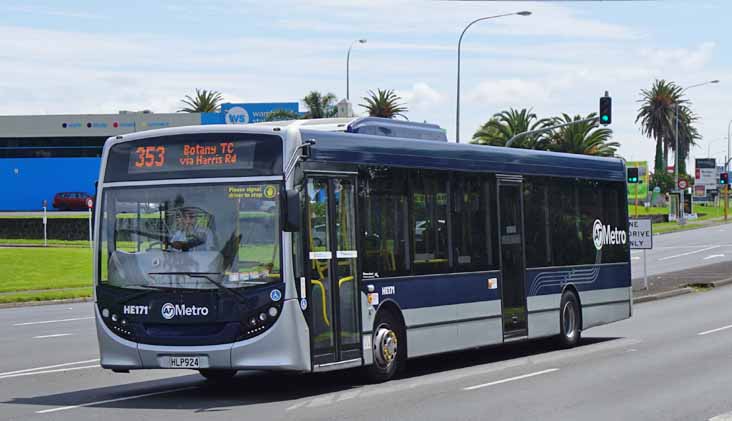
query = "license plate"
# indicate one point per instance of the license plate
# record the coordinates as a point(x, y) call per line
point(184, 362)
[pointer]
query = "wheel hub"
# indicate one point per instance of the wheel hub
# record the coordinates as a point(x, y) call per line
point(385, 346)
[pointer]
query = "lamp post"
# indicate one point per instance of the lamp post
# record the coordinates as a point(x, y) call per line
point(348, 65)
point(457, 113)
point(676, 155)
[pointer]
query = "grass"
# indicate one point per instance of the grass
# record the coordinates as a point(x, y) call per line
point(26, 269)
point(50, 215)
point(46, 295)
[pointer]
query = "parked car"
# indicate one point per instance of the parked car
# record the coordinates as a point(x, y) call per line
point(71, 200)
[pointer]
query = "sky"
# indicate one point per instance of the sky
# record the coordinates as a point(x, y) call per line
point(91, 57)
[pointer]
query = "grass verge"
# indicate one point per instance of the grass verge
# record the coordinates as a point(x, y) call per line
point(42, 268)
point(37, 242)
point(23, 297)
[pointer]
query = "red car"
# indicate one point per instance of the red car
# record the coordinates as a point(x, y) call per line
point(71, 201)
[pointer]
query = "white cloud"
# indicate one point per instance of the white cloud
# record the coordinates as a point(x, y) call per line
point(421, 97)
point(687, 59)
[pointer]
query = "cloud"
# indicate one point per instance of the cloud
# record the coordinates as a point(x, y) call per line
point(687, 59)
point(421, 96)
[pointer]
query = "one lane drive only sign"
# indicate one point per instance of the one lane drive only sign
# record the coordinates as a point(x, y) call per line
point(641, 234)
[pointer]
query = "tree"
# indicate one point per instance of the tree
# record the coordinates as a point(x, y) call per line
point(384, 103)
point(657, 115)
point(506, 124)
point(586, 138)
point(281, 115)
point(319, 105)
point(203, 102)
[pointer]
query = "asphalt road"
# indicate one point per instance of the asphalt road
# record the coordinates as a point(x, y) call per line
point(668, 362)
point(684, 250)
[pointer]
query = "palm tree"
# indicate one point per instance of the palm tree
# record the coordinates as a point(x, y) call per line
point(384, 103)
point(319, 105)
point(203, 102)
point(586, 138)
point(657, 116)
point(508, 123)
point(281, 115)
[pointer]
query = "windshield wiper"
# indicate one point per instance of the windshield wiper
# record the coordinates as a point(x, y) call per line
point(205, 275)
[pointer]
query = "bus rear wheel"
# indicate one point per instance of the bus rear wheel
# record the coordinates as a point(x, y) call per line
point(570, 321)
point(217, 375)
point(387, 348)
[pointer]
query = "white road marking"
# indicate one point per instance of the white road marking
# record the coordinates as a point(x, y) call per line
point(706, 332)
point(722, 417)
point(687, 253)
point(52, 321)
point(49, 366)
point(712, 256)
point(60, 370)
point(297, 405)
point(510, 379)
point(58, 335)
point(321, 401)
point(125, 398)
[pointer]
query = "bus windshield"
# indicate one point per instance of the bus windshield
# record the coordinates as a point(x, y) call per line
point(200, 236)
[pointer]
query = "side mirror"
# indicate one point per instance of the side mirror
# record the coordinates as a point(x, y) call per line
point(291, 211)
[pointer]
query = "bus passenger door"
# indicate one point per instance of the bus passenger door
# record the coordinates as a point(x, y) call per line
point(510, 204)
point(332, 271)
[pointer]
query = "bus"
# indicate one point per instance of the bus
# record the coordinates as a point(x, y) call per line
point(318, 245)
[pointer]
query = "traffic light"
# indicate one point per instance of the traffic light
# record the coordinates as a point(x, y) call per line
point(633, 175)
point(724, 178)
point(606, 109)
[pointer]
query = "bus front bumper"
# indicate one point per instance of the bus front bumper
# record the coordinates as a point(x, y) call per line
point(285, 346)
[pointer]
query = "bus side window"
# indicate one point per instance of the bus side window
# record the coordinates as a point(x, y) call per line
point(473, 223)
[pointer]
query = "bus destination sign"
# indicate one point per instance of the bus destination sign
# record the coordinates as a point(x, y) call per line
point(191, 156)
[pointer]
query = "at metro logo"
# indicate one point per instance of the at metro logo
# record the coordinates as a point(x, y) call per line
point(605, 235)
point(168, 311)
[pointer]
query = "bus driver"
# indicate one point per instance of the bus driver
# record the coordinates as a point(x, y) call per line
point(188, 236)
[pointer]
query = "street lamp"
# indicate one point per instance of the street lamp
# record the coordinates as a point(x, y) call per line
point(457, 117)
point(726, 166)
point(676, 155)
point(348, 63)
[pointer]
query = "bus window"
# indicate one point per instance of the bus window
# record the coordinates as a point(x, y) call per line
point(386, 222)
point(429, 205)
point(473, 223)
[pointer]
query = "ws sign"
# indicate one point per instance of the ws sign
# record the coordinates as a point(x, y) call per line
point(641, 234)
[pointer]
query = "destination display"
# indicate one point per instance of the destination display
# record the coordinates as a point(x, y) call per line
point(235, 155)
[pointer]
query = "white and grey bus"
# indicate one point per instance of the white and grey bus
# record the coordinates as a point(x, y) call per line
point(328, 244)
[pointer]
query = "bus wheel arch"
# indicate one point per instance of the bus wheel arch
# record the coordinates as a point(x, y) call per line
point(389, 343)
point(570, 317)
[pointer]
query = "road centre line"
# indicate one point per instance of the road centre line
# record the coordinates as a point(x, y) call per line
point(706, 332)
point(722, 417)
point(510, 379)
point(58, 335)
point(712, 256)
point(49, 366)
point(125, 398)
point(687, 253)
point(60, 370)
point(52, 321)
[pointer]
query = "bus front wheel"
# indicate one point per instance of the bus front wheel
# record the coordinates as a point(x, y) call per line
point(388, 348)
point(570, 320)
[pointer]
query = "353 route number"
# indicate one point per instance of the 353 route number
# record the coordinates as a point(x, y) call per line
point(150, 156)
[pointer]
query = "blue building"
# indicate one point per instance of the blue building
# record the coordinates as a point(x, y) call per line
point(46, 154)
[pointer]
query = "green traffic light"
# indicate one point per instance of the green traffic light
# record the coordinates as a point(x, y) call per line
point(604, 118)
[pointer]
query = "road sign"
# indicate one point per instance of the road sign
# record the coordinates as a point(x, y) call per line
point(89, 203)
point(641, 234)
point(44, 204)
point(683, 184)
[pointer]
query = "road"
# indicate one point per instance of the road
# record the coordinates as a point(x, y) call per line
point(684, 250)
point(670, 361)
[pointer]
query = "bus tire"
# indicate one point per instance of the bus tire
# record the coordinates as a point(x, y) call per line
point(212, 375)
point(570, 320)
point(388, 340)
